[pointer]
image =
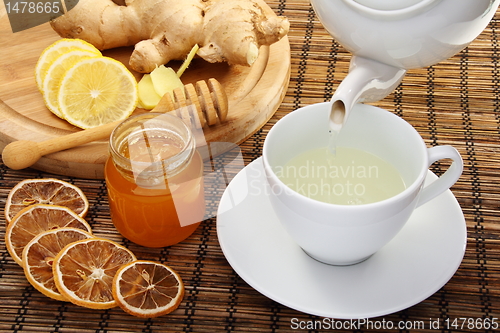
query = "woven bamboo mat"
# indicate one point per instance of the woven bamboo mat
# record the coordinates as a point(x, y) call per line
point(455, 102)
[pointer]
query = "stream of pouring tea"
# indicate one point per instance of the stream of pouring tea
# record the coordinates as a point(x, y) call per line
point(332, 142)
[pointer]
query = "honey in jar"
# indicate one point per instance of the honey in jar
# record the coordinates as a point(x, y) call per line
point(154, 177)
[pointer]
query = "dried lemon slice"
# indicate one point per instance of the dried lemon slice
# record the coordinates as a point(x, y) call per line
point(45, 191)
point(35, 219)
point(39, 255)
point(147, 289)
point(97, 91)
point(55, 73)
point(55, 50)
point(84, 271)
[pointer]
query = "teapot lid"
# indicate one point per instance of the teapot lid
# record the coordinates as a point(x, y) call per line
point(391, 9)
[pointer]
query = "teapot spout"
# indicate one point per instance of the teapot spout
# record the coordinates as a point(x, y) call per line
point(367, 81)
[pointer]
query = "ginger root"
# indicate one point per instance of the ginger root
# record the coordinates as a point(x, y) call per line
point(164, 30)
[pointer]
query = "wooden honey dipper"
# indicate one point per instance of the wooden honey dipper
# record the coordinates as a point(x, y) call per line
point(198, 105)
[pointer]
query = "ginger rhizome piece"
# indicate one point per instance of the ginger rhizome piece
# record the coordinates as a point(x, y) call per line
point(164, 30)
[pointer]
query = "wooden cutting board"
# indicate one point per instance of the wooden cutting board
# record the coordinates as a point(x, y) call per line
point(23, 114)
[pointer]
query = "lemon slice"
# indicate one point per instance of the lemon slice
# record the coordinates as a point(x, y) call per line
point(55, 74)
point(36, 219)
point(54, 51)
point(50, 191)
point(39, 254)
point(84, 271)
point(147, 289)
point(97, 91)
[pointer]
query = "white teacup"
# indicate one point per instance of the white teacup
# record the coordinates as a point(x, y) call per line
point(348, 234)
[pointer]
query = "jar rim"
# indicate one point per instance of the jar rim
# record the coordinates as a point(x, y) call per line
point(169, 166)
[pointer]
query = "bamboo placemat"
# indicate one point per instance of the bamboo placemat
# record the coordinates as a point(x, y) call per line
point(455, 102)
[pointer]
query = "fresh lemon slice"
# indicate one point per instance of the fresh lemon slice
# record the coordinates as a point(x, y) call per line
point(55, 74)
point(55, 50)
point(97, 91)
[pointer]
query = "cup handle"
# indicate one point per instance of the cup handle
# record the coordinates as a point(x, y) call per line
point(449, 178)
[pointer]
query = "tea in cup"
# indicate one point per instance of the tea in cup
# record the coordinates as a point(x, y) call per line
point(342, 206)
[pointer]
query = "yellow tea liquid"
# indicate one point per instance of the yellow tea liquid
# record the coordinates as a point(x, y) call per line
point(345, 176)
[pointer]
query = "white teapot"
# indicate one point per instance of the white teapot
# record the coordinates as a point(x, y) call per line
point(388, 37)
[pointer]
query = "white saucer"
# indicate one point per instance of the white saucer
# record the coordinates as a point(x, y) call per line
point(413, 266)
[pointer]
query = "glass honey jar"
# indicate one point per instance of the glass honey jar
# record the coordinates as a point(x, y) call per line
point(154, 178)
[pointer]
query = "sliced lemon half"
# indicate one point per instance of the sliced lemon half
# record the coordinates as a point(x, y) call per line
point(97, 91)
point(56, 49)
point(56, 72)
